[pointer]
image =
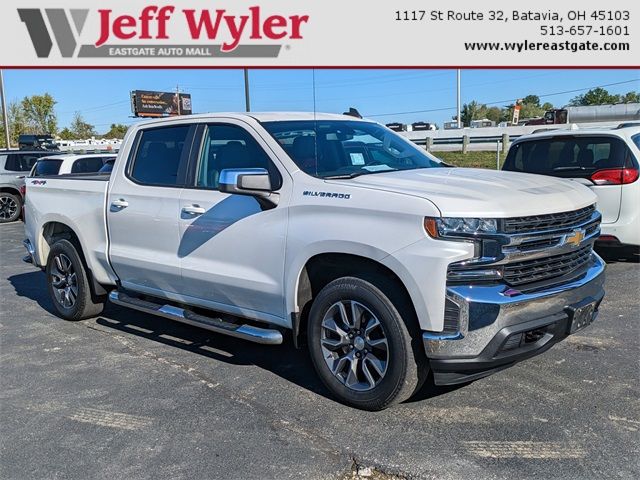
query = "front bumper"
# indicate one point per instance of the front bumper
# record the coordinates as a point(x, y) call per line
point(489, 319)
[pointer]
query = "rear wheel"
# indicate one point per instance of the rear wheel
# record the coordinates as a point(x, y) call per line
point(360, 345)
point(68, 283)
point(10, 207)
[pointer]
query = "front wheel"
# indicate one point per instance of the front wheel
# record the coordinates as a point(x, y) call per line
point(360, 346)
point(68, 283)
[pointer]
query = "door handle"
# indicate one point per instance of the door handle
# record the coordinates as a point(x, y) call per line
point(120, 203)
point(193, 210)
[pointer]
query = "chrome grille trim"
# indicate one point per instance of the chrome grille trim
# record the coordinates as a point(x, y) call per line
point(537, 254)
point(531, 271)
point(554, 221)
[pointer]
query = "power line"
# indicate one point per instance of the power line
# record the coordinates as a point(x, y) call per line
point(506, 101)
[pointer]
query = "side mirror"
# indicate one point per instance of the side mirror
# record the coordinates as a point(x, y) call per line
point(254, 182)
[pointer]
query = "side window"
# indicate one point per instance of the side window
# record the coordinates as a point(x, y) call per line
point(2, 161)
point(13, 163)
point(230, 146)
point(158, 156)
point(87, 165)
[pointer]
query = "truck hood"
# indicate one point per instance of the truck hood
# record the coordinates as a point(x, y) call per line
point(473, 192)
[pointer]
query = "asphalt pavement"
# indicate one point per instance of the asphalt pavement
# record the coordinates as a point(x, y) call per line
point(132, 396)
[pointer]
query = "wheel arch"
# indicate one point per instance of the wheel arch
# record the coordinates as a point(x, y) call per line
point(322, 268)
point(51, 232)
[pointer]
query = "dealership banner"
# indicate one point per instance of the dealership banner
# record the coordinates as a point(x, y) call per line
point(317, 33)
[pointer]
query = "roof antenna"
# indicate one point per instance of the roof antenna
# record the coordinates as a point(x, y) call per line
point(353, 112)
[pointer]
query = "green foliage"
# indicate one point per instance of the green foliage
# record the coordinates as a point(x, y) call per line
point(600, 96)
point(17, 124)
point(81, 129)
point(471, 159)
point(117, 130)
point(630, 97)
point(39, 114)
point(66, 134)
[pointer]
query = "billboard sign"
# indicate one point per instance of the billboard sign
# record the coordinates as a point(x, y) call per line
point(160, 104)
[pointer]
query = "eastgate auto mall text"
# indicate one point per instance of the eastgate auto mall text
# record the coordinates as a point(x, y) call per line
point(548, 30)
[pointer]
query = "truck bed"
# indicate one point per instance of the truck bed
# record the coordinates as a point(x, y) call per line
point(77, 201)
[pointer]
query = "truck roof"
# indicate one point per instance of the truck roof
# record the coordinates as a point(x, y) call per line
point(259, 116)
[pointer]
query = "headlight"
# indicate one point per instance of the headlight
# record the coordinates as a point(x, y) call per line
point(455, 227)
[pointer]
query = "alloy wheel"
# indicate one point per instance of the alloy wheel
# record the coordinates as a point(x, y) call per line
point(354, 345)
point(64, 281)
point(8, 208)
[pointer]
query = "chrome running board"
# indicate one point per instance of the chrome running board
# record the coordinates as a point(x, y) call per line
point(264, 336)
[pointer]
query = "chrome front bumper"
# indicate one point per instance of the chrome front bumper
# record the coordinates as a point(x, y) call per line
point(487, 312)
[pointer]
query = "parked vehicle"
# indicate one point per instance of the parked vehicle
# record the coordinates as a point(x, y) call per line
point(335, 229)
point(68, 163)
point(606, 160)
point(37, 142)
point(14, 165)
point(623, 112)
point(484, 123)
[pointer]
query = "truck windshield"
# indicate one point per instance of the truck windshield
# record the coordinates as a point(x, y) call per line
point(346, 149)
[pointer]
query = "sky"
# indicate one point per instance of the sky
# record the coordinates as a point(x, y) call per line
point(102, 96)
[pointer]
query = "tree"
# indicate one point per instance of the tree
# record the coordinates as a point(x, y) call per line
point(532, 100)
point(630, 97)
point(117, 131)
point(17, 124)
point(595, 96)
point(66, 134)
point(493, 113)
point(80, 128)
point(470, 111)
point(39, 114)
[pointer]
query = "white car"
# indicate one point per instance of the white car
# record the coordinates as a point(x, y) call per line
point(604, 159)
point(70, 163)
point(334, 229)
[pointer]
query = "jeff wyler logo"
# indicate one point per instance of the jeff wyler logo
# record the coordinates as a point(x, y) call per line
point(149, 32)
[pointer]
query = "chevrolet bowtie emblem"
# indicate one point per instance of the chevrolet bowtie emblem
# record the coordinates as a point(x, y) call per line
point(575, 238)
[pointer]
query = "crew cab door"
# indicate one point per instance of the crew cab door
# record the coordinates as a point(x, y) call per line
point(143, 210)
point(231, 250)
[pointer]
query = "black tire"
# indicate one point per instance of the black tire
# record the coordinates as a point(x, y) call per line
point(78, 305)
point(10, 207)
point(405, 367)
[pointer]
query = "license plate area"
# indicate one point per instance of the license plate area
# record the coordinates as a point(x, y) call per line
point(581, 314)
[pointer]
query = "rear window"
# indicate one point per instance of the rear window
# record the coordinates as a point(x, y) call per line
point(47, 167)
point(568, 156)
point(159, 155)
point(87, 165)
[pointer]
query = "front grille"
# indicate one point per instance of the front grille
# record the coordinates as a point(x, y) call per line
point(552, 221)
point(530, 271)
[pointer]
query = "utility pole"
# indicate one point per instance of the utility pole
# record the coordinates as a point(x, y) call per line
point(246, 90)
point(4, 110)
point(178, 98)
point(459, 118)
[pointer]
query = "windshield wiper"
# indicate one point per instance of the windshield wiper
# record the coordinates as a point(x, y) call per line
point(558, 169)
point(357, 174)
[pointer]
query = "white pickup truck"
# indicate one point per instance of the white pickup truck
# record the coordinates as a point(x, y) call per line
point(385, 262)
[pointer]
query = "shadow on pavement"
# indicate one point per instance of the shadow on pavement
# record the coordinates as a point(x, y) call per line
point(294, 365)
